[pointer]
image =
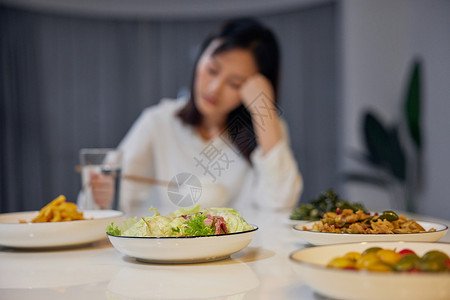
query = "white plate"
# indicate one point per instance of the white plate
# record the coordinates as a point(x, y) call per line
point(310, 264)
point(55, 234)
point(326, 238)
point(182, 249)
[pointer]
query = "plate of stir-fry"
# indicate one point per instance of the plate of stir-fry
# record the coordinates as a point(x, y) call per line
point(349, 226)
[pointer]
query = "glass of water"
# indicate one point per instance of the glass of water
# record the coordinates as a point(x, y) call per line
point(100, 178)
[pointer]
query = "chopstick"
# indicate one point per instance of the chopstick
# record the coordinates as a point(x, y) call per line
point(136, 178)
point(147, 180)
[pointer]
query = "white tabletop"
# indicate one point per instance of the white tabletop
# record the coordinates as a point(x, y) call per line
point(261, 271)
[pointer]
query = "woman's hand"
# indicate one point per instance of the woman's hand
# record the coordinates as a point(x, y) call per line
point(255, 90)
point(258, 97)
point(102, 189)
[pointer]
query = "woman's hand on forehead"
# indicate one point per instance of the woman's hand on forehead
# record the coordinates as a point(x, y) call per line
point(257, 90)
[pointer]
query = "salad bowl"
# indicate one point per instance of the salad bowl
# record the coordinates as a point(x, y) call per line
point(191, 249)
point(187, 235)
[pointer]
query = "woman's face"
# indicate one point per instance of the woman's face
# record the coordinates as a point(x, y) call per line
point(219, 79)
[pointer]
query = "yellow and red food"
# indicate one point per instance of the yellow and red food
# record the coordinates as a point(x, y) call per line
point(377, 259)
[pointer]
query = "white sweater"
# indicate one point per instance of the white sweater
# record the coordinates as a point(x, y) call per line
point(160, 146)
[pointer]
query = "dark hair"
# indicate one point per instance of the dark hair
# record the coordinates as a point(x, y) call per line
point(242, 33)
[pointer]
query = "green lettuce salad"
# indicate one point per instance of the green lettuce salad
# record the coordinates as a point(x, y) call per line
point(183, 222)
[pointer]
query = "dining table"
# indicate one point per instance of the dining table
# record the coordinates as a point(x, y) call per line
point(262, 270)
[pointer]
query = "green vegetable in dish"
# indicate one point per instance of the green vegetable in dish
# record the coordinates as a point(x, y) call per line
point(112, 230)
point(184, 222)
point(196, 226)
point(327, 201)
point(388, 215)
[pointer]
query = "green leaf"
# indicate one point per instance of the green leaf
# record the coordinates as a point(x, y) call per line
point(325, 202)
point(384, 148)
point(396, 158)
point(413, 103)
point(113, 230)
point(376, 139)
point(196, 226)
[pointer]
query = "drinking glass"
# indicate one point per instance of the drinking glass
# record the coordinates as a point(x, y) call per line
point(101, 170)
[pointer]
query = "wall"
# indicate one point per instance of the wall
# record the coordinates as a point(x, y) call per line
point(71, 81)
point(379, 40)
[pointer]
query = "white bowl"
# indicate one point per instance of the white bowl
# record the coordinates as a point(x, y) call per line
point(55, 234)
point(310, 264)
point(327, 238)
point(182, 249)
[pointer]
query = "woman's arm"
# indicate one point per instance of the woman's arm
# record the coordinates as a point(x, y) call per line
point(277, 181)
point(137, 160)
point(258, 97)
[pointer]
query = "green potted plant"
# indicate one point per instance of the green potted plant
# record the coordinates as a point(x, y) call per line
point(393, 152)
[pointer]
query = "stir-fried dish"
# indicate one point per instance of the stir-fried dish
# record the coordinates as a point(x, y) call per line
point(387, 260)
point(348, 221)
point(183, 222)
point(325, 202)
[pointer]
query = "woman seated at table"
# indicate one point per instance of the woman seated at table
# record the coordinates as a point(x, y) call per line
point(225, 145)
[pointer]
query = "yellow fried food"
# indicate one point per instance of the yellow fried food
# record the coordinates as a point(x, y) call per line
point(59, 211)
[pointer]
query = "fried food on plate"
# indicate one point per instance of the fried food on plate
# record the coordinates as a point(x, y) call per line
point(58, 211)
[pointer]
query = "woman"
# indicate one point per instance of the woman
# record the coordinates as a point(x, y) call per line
point(225, 145)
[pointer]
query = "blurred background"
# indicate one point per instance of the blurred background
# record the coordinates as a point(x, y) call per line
point(76, 74)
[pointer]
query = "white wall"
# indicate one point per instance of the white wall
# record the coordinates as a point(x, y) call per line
point(379, 40)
